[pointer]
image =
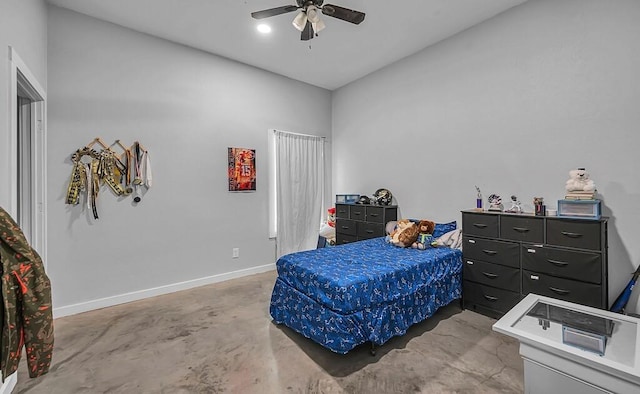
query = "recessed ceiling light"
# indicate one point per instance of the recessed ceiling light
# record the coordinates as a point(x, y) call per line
point(264, 29)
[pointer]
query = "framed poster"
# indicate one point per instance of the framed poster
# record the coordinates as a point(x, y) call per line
point(242, 169)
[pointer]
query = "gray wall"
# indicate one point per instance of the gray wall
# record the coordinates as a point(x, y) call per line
point(510, 105)
point(187, 107)
point(23, 26)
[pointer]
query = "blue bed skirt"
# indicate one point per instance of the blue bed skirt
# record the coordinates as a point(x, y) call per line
point(341, 332)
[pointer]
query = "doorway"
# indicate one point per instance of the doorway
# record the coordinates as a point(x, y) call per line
point(28, 183)
point(25, 172)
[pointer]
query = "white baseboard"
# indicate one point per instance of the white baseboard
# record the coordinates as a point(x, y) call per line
point(156, 291)
point(9, 384)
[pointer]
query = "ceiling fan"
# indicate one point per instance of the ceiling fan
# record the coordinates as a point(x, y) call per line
point(308, 20)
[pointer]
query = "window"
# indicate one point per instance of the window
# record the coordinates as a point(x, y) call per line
point(296, 181)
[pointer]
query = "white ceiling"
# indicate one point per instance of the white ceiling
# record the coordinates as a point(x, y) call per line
point(342, 53)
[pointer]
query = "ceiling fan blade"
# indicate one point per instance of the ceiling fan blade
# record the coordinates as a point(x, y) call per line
point(307, 33)
point(273, 11)
point(345, 14)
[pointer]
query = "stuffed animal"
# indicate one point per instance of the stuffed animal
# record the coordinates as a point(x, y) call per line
point(405, 234)
point(408, 236)
point(328, 229)
point(395, 228)
point(579, 181)
point(425, 235)
point(331, 217)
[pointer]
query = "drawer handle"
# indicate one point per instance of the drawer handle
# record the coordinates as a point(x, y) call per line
point(357, 213)
point(344, 227)
point(489, 275)
point(521, 229)
point(559, 291)
point(369, 231)
point(375, 215)
point(558, 263)
point(489, 252)
point(479, 225)
point(490, 298)
point(571, 235)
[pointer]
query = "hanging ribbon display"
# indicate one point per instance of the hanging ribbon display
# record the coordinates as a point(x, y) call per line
point(141, 169)
point(79, 175)
point(124, 174)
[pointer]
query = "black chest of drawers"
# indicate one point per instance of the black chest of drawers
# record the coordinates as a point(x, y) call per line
point(507, 256)
point(355, 222)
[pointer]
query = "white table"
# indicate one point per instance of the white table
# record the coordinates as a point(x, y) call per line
point(552, 366)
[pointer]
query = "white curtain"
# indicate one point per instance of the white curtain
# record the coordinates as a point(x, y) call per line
point(300, 188)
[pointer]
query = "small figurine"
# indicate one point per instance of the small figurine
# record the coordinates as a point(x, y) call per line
point(516, 206)
point(495, 203)
point(538, 205)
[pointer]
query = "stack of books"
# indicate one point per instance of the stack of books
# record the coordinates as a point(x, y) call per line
point(580, 195)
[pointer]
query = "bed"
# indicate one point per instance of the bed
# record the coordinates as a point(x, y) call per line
point(366, 291)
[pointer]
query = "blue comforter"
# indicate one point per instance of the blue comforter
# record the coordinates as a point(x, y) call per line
point(365, 291)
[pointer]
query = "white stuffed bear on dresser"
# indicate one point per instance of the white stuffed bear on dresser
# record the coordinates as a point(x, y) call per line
point(579, 181)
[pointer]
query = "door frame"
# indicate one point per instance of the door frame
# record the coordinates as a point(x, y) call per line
point(21, 74)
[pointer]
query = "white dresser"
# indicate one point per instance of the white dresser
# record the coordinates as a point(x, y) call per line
point(559, 345)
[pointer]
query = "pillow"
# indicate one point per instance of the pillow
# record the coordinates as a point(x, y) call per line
point(391, 226)
point(443, 228)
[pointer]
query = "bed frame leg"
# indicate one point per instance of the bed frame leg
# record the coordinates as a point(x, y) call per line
point(373, 349)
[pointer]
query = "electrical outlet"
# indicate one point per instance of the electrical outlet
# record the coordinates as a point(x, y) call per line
point(236, 253)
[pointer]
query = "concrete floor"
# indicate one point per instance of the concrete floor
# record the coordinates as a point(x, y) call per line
point(220, 339)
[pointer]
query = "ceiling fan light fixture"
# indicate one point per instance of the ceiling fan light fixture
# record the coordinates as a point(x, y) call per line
point(308, 20)
point(313, 15)
point(319, 25)
point(300, 21)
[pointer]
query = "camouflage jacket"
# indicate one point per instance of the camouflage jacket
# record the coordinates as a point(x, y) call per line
point(27, 319)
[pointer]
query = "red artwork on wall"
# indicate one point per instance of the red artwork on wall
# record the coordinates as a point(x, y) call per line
point(242, 169)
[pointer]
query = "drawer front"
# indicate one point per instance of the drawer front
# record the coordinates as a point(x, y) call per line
point(583, 266)
point(375, 214)
point(492, 274)
point(490, 297)
point(527, 229)
point(366, 230)
point(357, 212)
point(390, 213)
point(342, 211)
point(342, 239)
point(484, 225)
point(582, 234)
point(563, 289)
point(497, 252)
point(344, 226)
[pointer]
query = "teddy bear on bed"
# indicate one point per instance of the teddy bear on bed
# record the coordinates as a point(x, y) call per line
point(425, 235)
point(404, 234)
